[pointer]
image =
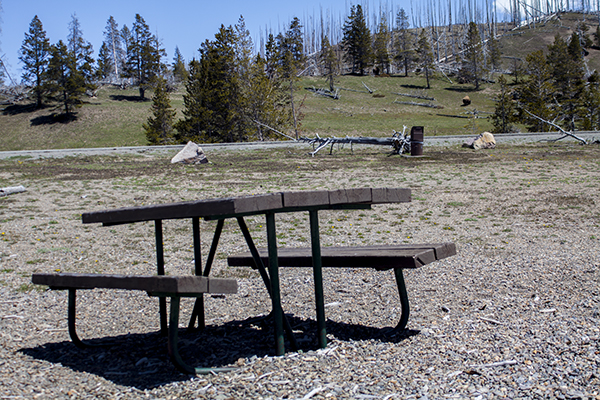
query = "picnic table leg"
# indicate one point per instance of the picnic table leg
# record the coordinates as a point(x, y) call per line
point(318, 278)
point(265, 277)
point(71, 319)
point(275, 291)
point(403, 299)
point(160, 266)
point(198, 311)
point(173, 344)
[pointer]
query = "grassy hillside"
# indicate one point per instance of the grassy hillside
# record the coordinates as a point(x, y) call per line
point(115, 117)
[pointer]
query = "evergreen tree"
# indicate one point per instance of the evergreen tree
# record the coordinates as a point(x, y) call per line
point(113, 41)
point(472, 64)
point(536, 94)
point(328, 61)
point(65, 82)
point(105, 62)
point(212, 92)
point(127, 41)
point(266, 104)
point(82, 51)
point(35, 52)
point(179, 71)
point(567, 68)
point(159, 128)
point(494, 53)
point(356, 41)
point(590, 103)
point(505, 113)
point(144, 55)
point(380, 46)
point(425, 55)
point(404, 45)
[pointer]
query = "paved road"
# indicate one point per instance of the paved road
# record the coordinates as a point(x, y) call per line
point(429, 141)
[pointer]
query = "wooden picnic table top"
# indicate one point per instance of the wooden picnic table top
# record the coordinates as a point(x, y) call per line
point(252, 205)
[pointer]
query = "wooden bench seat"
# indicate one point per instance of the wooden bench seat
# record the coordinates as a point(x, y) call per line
point(173, 287)
point(381, 258)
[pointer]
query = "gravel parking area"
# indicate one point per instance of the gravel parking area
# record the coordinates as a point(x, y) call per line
point(515, 314)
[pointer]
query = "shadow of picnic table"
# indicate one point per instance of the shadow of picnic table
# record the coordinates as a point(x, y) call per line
point(142, 361)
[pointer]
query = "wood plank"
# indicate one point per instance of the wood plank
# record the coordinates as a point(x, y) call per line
point(198, 208)
point(378, 257)
point(164, 284)
point(305, 198)
point(345, 196)
point(390, 195)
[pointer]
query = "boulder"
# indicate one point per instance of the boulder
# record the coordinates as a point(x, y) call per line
point(190, 154)
point(484, 141)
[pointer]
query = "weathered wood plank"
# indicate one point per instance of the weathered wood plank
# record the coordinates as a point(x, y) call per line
point(345, 196)
point(306, 198)
point(390, 195)
point(162, 284)
point(378, 257)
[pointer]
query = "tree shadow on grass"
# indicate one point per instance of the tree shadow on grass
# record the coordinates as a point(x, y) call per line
point(53, 119)
point(461, 89)
point(409, 86)
point(17, 109)
point(135, 99)
point(142, 360)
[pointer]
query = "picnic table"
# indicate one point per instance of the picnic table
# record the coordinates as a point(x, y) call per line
point(238, 208)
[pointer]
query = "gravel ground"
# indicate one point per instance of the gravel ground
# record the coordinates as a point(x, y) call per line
point(515, 314)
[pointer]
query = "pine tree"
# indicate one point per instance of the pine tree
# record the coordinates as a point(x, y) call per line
point(114, 47)
point(212, 93)
point(494, 53)
point(159, 128)
point(82, 51)
point(472, 64)
point(266, 104)
point(590, 103)
point(329, 62)
point(356, 41)
point(179, 71)
point(425, 55)
point(404, 45)
point(105, 62)
point(505, 113)
point(536, 94)
point(35, 52)
point(65, 83)
point(567, 68)
point(380, 46)
point(144, 55)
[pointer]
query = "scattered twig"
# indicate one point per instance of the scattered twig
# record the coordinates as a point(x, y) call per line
point(496, 364)
point(313, 392)
point(493, 321)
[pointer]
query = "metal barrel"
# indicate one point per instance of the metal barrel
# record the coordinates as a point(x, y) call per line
point(416, 141)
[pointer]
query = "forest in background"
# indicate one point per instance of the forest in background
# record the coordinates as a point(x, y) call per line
point(446, 47)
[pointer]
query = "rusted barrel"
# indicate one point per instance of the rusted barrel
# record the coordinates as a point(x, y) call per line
point(416, 141)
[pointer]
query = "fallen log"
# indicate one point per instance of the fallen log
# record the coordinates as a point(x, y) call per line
point(11, 190)
point(413, 103)
point(415, 96)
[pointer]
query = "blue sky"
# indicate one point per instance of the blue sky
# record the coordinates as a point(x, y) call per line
point(186, 24)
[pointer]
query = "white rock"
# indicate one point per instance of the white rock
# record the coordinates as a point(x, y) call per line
point(190, 154)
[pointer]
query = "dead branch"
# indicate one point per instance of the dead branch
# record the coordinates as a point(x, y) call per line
point(413, 103)
point(565, 133)
point(273, 129)
point(325, 92)
point(415, 96)
point(370, 91)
